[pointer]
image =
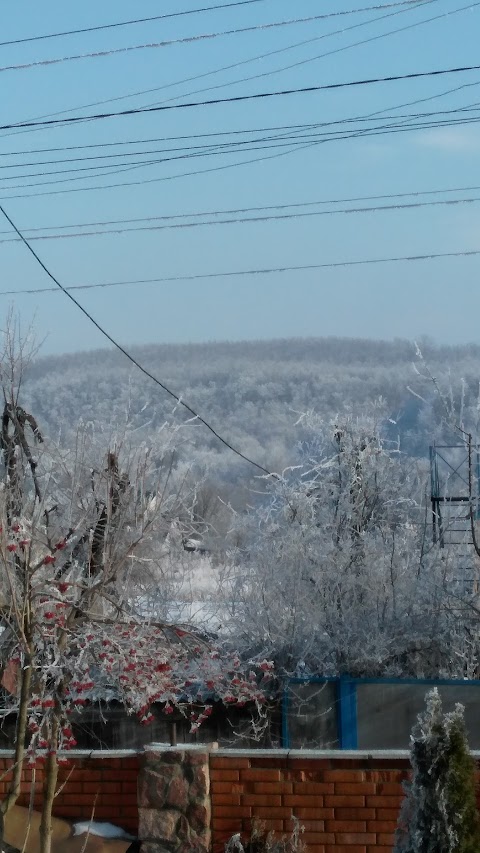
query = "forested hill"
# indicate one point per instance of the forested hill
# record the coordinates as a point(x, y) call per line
point(253, 392)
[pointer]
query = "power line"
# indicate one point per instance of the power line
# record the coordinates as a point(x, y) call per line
point(221, 147)
point(162, 44)
point(245, 220)
point(232, 211)
point(290, 144)
point(128, 355)
point(190, 12)
point(414, 75)
point(249, 272)
point(211, 134)
point(128, 23)
point(332, 52)
point(261, 208)
point(293, 148)
point(164, 177)
point(408, 4)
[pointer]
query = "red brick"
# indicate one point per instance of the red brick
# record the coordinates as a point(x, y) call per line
point(272, 787)
point(318, 838)
point(80, 775)
point(260, 774)
point(393, 765)
point(111, 787)
point(303, 801)
point(355, 814)
point(381, 826)
point(80, 799)
point(270, 800)
point(384, 776)
point(306, 825)
point(361, 788)
point(229, 799)
point(391, 789)
point(233, 811)
point(277, 813)
point(384, 802)
point(344, 776)
point(386, 838)
point(129, 787)
point(272, 761)
point(223, 824)
point(316, 848)
point(310, 764)
point(109, 800)
point(224, 775)
point(85, 787)
point(387, 814)
point(339, 848)
point(105, 775)
point(313, 788)
point(273, 825)
point(346, 826)
point(378, 849)
point(337, 801)
point(355, 838)
point(225, 788)
point(320, 814)
point(220, 762)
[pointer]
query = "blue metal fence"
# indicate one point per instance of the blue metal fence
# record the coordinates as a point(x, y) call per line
point(364, 710)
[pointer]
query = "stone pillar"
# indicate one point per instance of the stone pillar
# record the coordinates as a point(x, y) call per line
point(174, 799)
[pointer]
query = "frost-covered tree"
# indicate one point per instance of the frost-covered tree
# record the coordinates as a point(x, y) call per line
point(334, 570)
point(76, 527)
point(439, 813)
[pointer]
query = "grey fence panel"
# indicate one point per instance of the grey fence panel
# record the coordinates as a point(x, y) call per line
point(387, 712)
point(312, 716)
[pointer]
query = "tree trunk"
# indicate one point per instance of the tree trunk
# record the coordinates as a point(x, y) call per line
point(20, 737)
point(49, 787)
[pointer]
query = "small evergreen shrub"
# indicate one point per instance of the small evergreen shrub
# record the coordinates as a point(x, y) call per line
point(439, 813)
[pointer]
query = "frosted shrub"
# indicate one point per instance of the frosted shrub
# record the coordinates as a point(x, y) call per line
point(439, 813)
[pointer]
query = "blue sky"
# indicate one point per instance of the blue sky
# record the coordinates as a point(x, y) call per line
point(440, 298)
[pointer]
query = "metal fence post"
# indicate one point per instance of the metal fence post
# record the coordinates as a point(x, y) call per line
point(347, 712)
point(285, 730)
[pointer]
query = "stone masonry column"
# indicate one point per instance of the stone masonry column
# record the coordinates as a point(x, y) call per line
point(174, 799)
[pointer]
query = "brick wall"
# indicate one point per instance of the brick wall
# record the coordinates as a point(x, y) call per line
point(346, 805)
point(347, 802)
point(105, 785)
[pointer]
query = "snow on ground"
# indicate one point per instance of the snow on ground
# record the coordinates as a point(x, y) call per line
point(105, 830)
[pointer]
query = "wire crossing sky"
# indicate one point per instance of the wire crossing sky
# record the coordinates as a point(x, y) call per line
point(112, 200)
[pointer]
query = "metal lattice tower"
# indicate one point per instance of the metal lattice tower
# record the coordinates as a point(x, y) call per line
point(454, 489)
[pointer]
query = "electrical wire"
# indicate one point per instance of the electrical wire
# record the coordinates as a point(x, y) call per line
point(217, 148)
point(258, 57)
point(413, 75)
point(211, 134)
point(210, 170)
point(128, 23)
point(233, 211)
point(130, 357)
point(467, 253)
point(189, 12)
point(290, 146)
point(245, 220)
point(162, 44)
point(327, 53)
